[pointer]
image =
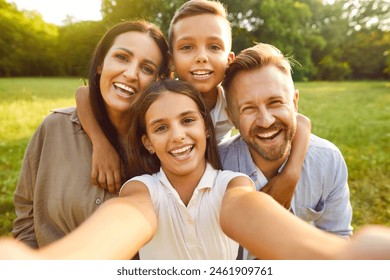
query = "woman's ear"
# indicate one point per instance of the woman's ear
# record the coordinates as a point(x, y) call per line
point(147, 144)
point(99, 69)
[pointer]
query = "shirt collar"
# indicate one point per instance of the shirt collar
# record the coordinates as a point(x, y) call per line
point(207, 181)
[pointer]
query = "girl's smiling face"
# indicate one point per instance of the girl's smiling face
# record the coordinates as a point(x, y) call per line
point(176, 132)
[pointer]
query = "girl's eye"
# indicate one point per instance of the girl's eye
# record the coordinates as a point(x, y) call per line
point(188, 120)
point(160, 128)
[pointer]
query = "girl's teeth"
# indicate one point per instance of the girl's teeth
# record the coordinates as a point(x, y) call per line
point(182, 150)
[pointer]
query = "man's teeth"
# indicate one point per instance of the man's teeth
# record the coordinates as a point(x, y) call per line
point(181, 150)
point(124, 88)
point(269, 134)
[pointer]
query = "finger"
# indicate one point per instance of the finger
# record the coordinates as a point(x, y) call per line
point(102, 181)
point(110, 182)
point(118, 180)
point(94, 177)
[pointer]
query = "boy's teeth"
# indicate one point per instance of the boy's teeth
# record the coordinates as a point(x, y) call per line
point(201, 73)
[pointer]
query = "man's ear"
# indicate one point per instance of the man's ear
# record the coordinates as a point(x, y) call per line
point(230, 115)
point(230, 58)
point(147, 144)
point(296, 99)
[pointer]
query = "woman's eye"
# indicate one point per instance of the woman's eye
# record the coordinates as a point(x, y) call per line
point(121, 57)
point(148, 70)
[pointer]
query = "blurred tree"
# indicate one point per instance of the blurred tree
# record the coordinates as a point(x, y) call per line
point(77, 42)
point(348, 39)
point(27, 43)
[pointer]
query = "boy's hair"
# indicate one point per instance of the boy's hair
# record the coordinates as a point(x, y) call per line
point(105, 43)
point(255, 57)
point(196, 8)
point(142, 162)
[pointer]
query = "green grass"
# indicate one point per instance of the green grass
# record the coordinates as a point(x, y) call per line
point(356, 117)
point(353, 115)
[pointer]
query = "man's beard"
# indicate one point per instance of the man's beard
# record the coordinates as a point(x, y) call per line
point(277, 151)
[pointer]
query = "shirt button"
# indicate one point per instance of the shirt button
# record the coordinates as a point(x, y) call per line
point(98, 201)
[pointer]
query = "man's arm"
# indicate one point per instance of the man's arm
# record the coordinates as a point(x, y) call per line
point(268, 231)
point(106, 167)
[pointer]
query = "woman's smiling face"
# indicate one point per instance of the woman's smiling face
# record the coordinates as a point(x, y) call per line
point(128, 68)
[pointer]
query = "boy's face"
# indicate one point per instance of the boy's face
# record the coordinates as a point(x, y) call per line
point(201, 51)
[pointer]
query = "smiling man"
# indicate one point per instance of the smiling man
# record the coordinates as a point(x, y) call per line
point(263, 104)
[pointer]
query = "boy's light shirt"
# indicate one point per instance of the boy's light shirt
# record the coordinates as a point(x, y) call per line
point(222, 124)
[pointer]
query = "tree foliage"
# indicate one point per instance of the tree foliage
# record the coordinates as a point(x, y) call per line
point(348, 39)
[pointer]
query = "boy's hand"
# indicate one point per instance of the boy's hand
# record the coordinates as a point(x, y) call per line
point(281, 189)
point(106, 167)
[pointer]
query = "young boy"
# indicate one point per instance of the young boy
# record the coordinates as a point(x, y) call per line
point(200, 42)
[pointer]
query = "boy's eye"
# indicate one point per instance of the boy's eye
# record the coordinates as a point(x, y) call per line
point(185, 48)
point(215, 47)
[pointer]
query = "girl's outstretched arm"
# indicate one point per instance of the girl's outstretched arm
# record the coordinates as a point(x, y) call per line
point(106, 167)
point(268, 231)
point(117, 230)
point(282, 186)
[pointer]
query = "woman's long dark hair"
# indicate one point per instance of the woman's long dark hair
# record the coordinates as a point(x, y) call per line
point(141, 161)
point(96, 99)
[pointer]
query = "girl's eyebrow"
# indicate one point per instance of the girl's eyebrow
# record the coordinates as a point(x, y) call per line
point(132, 54)
point(189, 112)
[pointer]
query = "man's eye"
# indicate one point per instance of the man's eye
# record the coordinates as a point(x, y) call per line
point(248, 109)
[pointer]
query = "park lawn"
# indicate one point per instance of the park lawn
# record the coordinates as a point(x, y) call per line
point(353, 115)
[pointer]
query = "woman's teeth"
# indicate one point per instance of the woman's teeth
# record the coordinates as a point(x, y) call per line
point(124, 89)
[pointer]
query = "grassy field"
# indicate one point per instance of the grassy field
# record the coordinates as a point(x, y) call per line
point(353, 115)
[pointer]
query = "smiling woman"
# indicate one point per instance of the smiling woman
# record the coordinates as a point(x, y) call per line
point(57, 12)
